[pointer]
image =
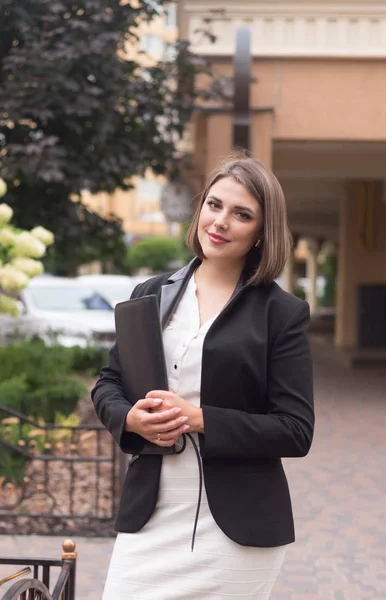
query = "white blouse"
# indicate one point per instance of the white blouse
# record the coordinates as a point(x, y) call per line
point(183, 341)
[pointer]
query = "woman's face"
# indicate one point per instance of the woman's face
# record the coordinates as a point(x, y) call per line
point(230, 221)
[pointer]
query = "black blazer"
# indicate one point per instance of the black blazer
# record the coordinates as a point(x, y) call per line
point(257, 401)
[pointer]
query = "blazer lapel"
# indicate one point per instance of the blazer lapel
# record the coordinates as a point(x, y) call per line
point(172, 291)
point(169, 294)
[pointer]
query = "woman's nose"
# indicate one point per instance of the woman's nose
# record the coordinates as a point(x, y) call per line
point(221, 222)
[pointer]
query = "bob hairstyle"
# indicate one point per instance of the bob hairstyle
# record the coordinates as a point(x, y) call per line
point(261, 183)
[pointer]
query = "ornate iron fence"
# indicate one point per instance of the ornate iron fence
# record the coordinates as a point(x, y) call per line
point(59, 476)
point(37, 588)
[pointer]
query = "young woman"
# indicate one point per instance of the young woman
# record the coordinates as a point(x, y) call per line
point(240, 384)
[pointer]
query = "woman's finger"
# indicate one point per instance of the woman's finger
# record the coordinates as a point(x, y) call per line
point(167, 426)
point(169, 438)
point(161, 417)
point(160, 394)
point(148, 403)
point(164, 444)
point(172, 433)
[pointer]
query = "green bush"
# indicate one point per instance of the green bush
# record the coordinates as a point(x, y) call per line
point(43, 383)
point(38, 381)
point(60, 396)
point(12, 466)
point(13, 391)
point(88, 360)
point(33, 358)
point(12, 462)
point(154, 253)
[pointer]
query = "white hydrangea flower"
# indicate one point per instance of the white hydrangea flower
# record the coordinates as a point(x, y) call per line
point(6, 211)
point(7, 237)
point(43, 235)
point(12, 280)
point(3, 188)
point(9, 306)
point(27, 244)
point(29, 266)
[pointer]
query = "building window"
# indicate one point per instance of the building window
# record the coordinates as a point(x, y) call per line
point(171, 16)
point(148, 189)
point(152, 44)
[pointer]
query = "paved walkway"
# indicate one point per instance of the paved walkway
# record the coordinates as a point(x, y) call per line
point(339, 498)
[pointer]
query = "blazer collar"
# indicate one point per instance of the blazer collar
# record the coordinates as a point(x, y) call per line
point(185, 271)
point(172, 291)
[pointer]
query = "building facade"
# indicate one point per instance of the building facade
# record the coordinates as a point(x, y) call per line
point(318, 119)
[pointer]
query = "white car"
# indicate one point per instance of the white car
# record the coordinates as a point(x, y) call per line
point(114, 288)
point(61, 310)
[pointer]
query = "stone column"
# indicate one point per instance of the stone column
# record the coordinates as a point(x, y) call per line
point(312, 273)
point(361, 254)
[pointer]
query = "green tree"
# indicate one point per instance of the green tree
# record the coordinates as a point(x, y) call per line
point(76, 114)
point(154, 253)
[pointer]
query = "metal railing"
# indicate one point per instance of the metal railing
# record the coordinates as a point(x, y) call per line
point(69, 473)
point(38, 587)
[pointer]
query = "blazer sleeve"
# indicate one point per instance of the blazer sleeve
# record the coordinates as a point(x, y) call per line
point(286, 429)
point(110, 404)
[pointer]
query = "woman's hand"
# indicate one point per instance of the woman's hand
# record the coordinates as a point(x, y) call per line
point(170, 400)
point(161, 427)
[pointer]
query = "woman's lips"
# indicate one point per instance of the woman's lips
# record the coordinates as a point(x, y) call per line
point(217, 239)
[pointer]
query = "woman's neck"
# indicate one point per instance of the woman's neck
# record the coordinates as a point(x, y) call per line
point(219, 274)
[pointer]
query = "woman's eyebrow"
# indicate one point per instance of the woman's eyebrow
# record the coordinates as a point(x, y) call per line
point(244, 208)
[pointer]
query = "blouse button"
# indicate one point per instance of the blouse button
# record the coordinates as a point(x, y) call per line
point(175, 366)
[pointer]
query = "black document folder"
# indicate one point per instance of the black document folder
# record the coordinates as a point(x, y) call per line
point(141, 353)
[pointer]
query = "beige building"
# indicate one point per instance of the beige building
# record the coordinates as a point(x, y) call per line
point(318, 119)
point(140, 208)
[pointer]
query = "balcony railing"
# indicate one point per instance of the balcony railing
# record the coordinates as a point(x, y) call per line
point(38, 587)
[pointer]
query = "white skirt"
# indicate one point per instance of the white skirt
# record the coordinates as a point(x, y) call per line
point(157, 563)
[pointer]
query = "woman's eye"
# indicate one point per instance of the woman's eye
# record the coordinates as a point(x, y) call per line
point(244, 216)
point(213, 204)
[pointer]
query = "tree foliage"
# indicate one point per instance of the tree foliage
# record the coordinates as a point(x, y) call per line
point(76, 114)
point(154, 253)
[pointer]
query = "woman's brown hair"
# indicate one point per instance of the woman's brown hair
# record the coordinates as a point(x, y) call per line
point(262, 184)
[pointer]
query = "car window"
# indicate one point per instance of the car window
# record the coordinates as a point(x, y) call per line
point(63, 298)
point(115, 294)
